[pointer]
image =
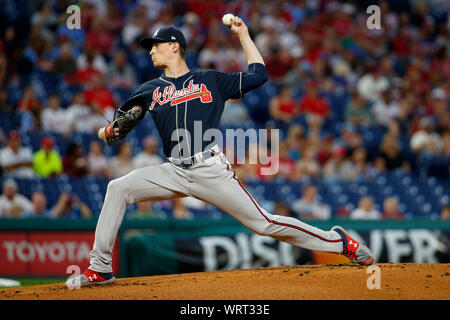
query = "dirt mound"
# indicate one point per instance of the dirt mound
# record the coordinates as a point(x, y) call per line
point(397, 281)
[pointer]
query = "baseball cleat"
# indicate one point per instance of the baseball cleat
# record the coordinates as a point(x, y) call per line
point(357, 252)
point(89, 277)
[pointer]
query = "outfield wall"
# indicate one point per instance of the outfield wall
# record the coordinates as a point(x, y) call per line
point(42, 247)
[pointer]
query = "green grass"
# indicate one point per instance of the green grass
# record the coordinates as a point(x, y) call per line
point(24, 282)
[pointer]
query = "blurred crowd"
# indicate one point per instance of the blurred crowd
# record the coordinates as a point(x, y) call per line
point(351, 102)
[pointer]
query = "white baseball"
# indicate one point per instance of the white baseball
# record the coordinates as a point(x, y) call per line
point(226, 19)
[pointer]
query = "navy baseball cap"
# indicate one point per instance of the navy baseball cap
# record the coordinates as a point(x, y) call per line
point(168, 34)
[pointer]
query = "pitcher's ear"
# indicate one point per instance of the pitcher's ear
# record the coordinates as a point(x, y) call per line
point(176, 47)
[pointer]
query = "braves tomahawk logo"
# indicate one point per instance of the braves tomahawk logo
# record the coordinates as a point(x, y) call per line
point(170, 94)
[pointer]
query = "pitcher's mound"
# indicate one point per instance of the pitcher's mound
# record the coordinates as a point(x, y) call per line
point(395, 281)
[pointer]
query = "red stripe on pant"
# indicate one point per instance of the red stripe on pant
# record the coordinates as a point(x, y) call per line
point(276, 222)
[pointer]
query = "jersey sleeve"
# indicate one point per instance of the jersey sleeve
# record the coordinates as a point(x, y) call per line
point(234, 85)
point(139, 98)
point(229, 85)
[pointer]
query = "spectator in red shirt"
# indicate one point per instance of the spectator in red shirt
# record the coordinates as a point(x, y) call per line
point(390, 209)
point(84, 75)
point(312, 103)
point(283, 106)
point(325, 151)
point(29, 102)
point(100, 37)
point(342, 19)
point(286, 165)
point(99, 95)
point(402, 43)
point(278, 63)
point(440, 66)
point(207, 10)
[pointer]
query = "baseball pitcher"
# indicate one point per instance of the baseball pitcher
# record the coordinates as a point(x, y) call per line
point(175, 101)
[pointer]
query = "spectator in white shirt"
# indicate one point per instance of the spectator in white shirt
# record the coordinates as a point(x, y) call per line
point(386, 109)
point(426, 140)
point(122, 163)
point(149, 156)
point(13, 204)
point(194, 203)
point(212, 56)
point(235, 113)
point(308, 207)
point(268, 37)
point(16, 161)
point(100, 118)
point(365, 210)
point(98, 61)
point(120, 73)
point(372, 84)
point(81, 117)
point(135, 26)
point(53, 117)
point(98, 164)
point(40, 210)
point(78, 114)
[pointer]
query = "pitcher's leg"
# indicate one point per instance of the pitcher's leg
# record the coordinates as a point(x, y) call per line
point(150, 183)
point(228, 194)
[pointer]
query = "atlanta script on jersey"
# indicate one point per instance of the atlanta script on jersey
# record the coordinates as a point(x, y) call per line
point(173, 96)
point(197, 96)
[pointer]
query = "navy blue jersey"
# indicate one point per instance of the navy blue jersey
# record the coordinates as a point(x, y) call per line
point(176, 104)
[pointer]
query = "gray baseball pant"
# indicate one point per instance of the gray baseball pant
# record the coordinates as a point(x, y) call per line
point(211, 180)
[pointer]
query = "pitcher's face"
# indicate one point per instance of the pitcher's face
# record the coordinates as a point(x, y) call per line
point(160, 53)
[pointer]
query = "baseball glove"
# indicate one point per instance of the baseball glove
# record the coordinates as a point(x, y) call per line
point(125, 123)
